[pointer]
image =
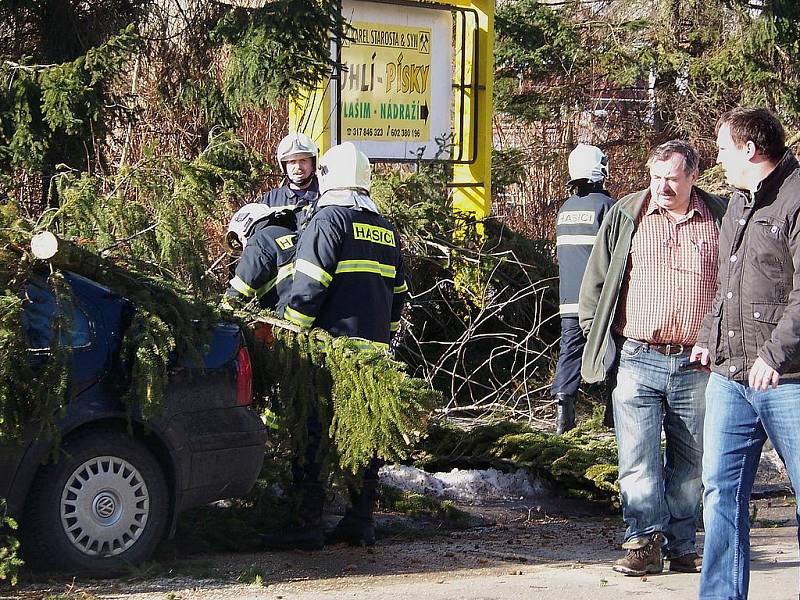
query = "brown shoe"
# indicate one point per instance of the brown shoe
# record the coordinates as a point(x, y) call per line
point(643, 558)
point(688, 563)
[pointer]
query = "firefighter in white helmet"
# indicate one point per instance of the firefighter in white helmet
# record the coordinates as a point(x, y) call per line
point(576, 227)
point(335, 270)
point(349, 280)
point(297, 157)
point(264, 239)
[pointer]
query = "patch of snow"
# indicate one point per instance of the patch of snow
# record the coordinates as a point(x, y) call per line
point(466, 485)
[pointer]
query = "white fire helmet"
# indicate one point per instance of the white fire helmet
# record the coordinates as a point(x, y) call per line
point(296, 145)
point(344, 167)
point(241, 226)
point(587, 162)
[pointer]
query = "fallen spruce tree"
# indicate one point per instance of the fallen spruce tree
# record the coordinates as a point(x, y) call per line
point(365, 398)
point(582, 463)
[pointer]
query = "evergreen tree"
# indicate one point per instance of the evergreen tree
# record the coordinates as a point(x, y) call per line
point(627, 75)
point(696, 58)
point(93, 87)
point(118, 131)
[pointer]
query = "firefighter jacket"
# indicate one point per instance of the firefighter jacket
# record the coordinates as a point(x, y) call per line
point(286, 196)
point(264, 271)
point(576, 228)
point(349, 277)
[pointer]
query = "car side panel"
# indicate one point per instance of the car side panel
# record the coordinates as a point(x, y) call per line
point(19, 466)
point(10, 461)
point(226, 442)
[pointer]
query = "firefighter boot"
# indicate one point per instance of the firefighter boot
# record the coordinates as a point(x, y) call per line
point(565, 419)
point(357, 527)
point(308, 534)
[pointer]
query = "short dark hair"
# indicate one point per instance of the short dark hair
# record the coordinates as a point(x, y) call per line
point(757, 125)
point(691, 160)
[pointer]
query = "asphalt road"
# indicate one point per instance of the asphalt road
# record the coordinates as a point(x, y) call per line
point(530, 552)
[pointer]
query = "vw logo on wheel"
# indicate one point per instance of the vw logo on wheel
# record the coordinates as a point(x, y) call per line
point(105, 505)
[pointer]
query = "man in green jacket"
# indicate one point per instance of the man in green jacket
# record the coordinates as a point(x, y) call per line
point(649, 282)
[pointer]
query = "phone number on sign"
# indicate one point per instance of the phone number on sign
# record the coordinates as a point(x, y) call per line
point(392, 132)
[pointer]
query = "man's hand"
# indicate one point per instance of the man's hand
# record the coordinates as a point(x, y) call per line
point(701, 354)
point(762, 376)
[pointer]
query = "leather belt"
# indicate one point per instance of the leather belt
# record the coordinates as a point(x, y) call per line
point(668, 349)
point(665, 349)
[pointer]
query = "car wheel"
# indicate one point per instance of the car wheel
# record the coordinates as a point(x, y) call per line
point(101, 507)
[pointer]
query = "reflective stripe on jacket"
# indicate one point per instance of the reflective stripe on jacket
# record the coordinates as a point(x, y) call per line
point(576, 227)
point(264, 271)
point(349, 277)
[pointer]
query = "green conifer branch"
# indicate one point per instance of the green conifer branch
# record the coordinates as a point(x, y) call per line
point(364, 399)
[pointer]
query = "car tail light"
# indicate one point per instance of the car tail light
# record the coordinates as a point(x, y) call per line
point(244, 378)
point(264, 334)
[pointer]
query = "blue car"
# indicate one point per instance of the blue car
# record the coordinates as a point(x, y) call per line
point(118, 482)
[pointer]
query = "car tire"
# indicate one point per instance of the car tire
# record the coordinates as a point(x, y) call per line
point(99, 509)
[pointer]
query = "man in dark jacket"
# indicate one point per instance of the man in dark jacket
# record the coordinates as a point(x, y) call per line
point(576, 228)
point(750, 339)
point(297, 157)
point(349, 280)
point(267, 244)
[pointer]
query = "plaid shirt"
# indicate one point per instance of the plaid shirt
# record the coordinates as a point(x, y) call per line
point(671, 275)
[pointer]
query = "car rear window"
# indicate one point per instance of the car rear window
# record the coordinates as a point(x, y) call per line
point(37, 321)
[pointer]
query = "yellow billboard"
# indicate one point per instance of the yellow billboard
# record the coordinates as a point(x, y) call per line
point(386, 87)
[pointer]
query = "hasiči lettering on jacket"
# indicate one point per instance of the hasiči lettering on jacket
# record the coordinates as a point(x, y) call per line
point(285, 242)
point(386, 88)
point(373, 233)
point(576, 217)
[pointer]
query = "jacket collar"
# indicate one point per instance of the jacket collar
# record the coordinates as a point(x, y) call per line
point(311, 192)
point(356, 199)
point(771, 183)
point(632, 204)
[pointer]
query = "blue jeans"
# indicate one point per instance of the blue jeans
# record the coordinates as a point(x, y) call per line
point(659, 494)
point(738, 422)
